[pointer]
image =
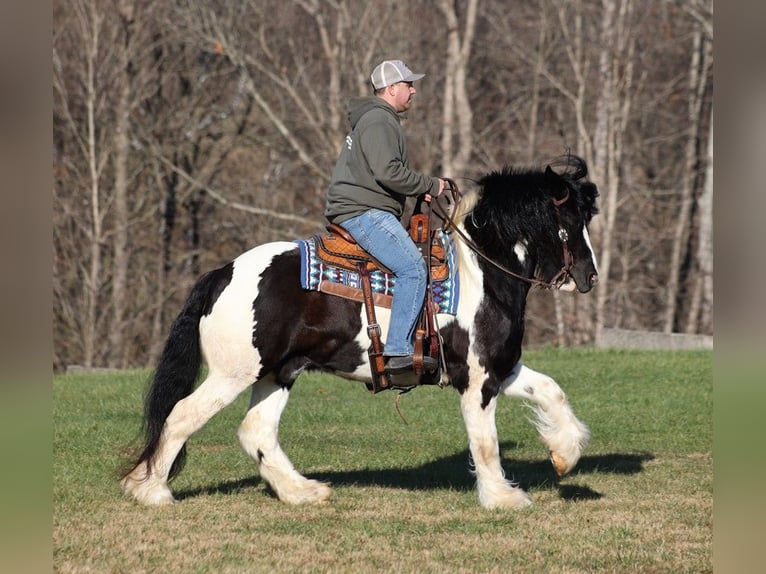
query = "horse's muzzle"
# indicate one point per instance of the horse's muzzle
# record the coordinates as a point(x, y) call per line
point(590, 281)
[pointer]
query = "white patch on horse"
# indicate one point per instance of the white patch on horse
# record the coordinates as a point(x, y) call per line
point(520, 249)
point(258, 437)
point(471, 289)
point(227, 332)
point(362, 372)
point(586, 236)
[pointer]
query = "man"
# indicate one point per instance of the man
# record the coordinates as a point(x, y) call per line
point(369, 185)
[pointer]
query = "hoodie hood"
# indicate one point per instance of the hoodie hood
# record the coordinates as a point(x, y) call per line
point(357, 107)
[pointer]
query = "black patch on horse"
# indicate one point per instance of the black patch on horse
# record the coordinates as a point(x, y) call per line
point(297, 330)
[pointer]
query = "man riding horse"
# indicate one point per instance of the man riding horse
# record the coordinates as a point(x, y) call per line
point(370, 183)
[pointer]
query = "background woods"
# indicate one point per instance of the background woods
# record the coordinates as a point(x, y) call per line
point(186, 132)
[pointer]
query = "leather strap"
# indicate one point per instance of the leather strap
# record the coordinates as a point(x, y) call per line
point(380, 378)
point(338, 230)
point(560, 277)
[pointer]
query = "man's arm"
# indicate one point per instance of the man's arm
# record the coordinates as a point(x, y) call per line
point(382, 149)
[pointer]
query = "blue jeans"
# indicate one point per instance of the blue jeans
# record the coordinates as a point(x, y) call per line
point(382, 235)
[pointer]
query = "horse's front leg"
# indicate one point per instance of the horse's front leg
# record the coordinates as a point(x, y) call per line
point(494, 490)
point(561, 431)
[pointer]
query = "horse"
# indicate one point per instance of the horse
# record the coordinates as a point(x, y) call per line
point(256, 327)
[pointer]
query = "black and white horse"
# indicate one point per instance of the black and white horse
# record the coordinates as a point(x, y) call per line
point(256, 328)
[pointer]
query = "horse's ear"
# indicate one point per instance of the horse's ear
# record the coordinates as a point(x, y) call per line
point(549, 172)
point(552, 178)
point(557, 185)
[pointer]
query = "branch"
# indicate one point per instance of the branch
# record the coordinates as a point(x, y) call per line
point(220, 198)
point(240, 62)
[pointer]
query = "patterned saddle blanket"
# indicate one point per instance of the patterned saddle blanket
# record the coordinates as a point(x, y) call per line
point(330, 264)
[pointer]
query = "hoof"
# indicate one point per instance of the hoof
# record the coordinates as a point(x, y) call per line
point(560, 465)
point(321, 494)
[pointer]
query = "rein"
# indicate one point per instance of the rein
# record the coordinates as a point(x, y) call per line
point(557, 280)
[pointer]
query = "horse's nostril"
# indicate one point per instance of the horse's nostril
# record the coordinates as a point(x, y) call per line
point(593, 279)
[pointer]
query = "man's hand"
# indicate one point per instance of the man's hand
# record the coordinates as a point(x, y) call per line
point(442, 185)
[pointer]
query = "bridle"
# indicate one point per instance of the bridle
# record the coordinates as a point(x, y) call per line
point(559, 279)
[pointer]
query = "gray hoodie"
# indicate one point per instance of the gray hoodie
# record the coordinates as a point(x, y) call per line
point(372, 170)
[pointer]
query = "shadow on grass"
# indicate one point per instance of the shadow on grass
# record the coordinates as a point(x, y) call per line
point(452, 472)
point(228, 487)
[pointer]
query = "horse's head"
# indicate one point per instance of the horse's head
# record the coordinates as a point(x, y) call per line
point(573, 204)
point(533, 223)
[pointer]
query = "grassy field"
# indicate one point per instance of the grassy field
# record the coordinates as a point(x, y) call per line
point(641, 499)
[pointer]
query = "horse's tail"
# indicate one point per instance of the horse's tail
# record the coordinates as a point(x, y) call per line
point(178, 368)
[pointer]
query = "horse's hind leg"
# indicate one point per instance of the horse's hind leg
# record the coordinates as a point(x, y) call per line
point(258, 435)
point(149, 483)
point(561, 431)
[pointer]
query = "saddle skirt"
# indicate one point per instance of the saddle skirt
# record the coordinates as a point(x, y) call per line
point(330, 264)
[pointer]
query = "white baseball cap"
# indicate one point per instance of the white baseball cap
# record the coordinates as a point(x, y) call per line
point(390, 72)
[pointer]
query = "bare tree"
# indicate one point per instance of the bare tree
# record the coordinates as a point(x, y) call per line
point(554, 88)
point(457, 113)
point(195, 121)
point(700, 316)
point(187, 132)
point(612, 115)
point(82, 106)
point(699, 73)
point(130, 76)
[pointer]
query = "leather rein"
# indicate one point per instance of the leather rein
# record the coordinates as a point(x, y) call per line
point(559, 279)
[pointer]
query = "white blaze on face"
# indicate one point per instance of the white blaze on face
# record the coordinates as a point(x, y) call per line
point(586, 236)
point(570, 284)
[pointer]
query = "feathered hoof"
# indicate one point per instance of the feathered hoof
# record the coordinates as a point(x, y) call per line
point(309, 492)
point(511, 499)
point(146, 491)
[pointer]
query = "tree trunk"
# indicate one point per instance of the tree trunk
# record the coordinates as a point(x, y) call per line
point(580, 308)
point(604, 224)
point(457, 116)
point(534, 103)
point(616, 69)
point(117, 357)
point(700, 317)
point(168, 184)
point(697, 82)
point(559, 303)
point(93, 281)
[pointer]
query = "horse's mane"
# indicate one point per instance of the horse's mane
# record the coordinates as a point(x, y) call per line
point(514, 202)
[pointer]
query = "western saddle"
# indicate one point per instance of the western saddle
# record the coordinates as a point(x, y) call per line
point(339, 249)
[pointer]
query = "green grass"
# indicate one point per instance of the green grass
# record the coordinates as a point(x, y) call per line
point(640, 500)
